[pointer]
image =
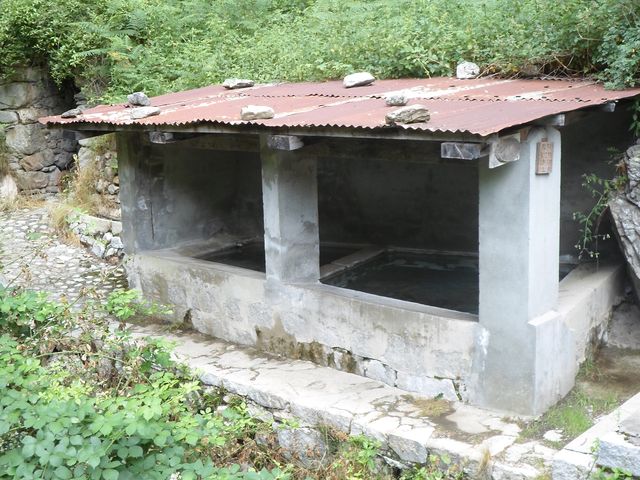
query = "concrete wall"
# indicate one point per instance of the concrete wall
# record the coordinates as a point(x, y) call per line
point(397, 201)
point(585, 149)
point(413, 347)
point(179, 194)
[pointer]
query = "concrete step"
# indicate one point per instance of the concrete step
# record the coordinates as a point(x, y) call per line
point(621, 449)
point(601, 446)
point(409, 426)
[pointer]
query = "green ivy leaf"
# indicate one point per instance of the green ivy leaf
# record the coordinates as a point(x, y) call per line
point(63, 473)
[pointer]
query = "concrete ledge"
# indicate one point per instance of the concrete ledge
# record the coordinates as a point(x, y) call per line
point(410, 427)
point(577, 460)
point(401, 343)
point(617, 451)
point(586, 298)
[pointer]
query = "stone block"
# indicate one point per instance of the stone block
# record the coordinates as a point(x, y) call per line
point(139, 113)
point(88, 142)
point(261, 413)
point(116, 243)
point(31, 114)
point(396, 99)
point(138, 99)
point(18, 94)
point(54, 177)
point(305, 446)
point(427, 386)
point(95, 225)
point(86, 157)
point(467, 70)
point(256, 112)
point(73, 113)
point(570, 465)
point(233, 83)
point(631, 425)
point(32, 180)
point(98, 249)
point(410, 114)
point(378, 371)
point(501, 471)
point(38, 161)
point(410, 445)
point(26, 139)
point(7, 116)
point(618, 451)
point(359, 79)
point(116, 228)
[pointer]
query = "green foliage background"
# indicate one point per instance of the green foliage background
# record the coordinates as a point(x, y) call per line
point(113, 47)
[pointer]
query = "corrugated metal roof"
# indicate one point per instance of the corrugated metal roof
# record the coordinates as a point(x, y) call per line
point(481, 106)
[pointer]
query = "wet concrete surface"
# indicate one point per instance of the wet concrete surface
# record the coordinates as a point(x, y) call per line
point(614, 372)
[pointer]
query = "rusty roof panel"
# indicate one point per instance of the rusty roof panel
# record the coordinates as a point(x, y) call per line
point(481, 106)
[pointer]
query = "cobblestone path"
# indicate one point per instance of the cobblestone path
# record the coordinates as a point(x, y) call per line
point(33, 256)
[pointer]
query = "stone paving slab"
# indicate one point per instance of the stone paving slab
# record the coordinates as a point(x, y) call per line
point(481, 440)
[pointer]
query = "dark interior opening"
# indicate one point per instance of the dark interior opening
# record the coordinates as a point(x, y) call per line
point(445, 281)
point(251, 255)
point(413, 218)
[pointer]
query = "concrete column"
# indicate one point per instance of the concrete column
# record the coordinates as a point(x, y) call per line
point(135, 192)
point(519, 232)
point(290, 200)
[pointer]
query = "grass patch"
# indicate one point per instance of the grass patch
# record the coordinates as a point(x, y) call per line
point(577, 412)
point(82, 189)
point(4, 161)
point(431, 407)
point(21, 202)
point(59, 220)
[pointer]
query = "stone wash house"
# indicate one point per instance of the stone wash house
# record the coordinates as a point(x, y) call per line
point(436, 256)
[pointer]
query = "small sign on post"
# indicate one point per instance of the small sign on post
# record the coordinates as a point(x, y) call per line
point(544, 157)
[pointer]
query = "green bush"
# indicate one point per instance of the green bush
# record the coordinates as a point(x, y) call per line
point(80, 400)
point(113, 47)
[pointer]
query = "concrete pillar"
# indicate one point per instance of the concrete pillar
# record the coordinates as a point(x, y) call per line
point(519, 232)
point(290, 201)
point(136, 185)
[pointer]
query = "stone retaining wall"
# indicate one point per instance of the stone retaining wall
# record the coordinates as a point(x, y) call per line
point(35, 156)
point(100, 235)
